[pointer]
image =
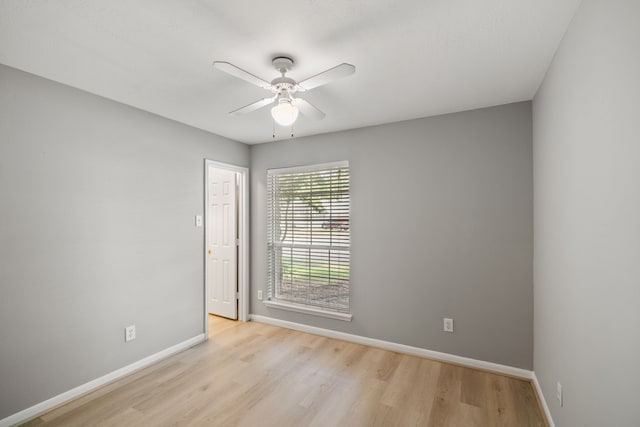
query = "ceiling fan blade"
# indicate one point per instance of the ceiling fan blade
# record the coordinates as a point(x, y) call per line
point(308, 109)
point(253, 106)
point(335, 73)
point(241, 74)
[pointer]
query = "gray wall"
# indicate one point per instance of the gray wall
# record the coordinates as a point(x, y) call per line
point(97, 232)
point(441, 226)
point(587, 219)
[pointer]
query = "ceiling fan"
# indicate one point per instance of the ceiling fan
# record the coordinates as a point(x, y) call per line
point(286, 110)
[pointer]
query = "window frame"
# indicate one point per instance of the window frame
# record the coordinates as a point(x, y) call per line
point(272, 266)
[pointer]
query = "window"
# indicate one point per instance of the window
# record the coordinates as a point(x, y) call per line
point(309, 239)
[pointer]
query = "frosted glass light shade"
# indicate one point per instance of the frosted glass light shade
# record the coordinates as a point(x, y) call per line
point(284, 113)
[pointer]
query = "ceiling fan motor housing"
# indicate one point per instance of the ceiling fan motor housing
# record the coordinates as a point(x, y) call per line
point(283, 84)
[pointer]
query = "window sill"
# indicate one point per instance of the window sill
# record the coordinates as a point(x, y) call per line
point(308, 310)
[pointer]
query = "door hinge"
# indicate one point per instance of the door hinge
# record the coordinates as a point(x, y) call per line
point(237, 242)
point(237, 295)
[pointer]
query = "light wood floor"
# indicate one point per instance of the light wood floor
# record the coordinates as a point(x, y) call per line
point(251, 374)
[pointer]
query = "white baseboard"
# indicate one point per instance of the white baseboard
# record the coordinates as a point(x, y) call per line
point(399, 348)
point(42, 407)
point(543, 401)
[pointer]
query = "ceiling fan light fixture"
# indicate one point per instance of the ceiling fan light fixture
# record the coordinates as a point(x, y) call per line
point(285, 114)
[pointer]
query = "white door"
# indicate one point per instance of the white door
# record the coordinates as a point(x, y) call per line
point(221, 243)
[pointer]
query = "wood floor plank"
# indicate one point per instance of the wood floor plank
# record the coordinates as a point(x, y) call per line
point(251, 374)
point(447, 396)
point(474, 382)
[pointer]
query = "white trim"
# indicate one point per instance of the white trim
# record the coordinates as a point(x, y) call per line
point(244, 248)
point(42, 407)
point(399, 348)
point(309, 168)
point(542, 400)
point(299, 308)
point(243, 258)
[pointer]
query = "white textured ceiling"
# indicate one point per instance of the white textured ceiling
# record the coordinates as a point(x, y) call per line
point(413, 58)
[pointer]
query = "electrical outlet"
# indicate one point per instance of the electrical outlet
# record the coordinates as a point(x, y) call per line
point(198, 220)
point(559, 392)
point(448, 325)
point(260, 295)
point(130, 333)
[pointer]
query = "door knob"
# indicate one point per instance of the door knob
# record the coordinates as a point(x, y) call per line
point(209, 251)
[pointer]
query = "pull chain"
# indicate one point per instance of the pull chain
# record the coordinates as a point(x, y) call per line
point(273, 135)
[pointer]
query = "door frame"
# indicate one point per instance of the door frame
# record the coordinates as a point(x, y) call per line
point(243, 238)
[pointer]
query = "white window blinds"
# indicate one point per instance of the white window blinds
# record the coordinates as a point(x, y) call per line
point(309, 239)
